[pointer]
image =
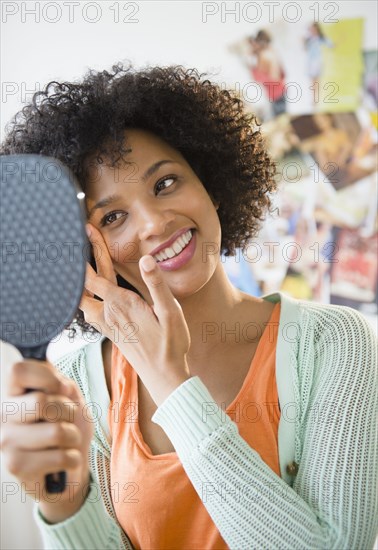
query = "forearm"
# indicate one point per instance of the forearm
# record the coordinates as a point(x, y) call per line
point(251, 506)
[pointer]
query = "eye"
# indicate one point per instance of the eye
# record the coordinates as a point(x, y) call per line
point(165, 183)
point(110, 218)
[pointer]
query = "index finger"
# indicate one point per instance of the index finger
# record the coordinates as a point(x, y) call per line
point(39, 375)
point(165, 303)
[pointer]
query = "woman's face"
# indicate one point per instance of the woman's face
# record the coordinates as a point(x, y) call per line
point(155, 197)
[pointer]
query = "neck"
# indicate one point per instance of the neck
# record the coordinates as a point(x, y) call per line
point(217, 302)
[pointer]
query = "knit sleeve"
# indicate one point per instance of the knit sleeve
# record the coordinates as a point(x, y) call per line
point(90, 528)
point(333, 501)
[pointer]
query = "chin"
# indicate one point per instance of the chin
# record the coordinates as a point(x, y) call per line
point(188, 286)
point(182, 284)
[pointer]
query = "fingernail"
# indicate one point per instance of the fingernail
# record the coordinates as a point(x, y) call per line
point(148, 263)
point(88, 230)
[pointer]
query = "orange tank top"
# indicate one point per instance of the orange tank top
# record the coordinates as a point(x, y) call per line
point(154, 500)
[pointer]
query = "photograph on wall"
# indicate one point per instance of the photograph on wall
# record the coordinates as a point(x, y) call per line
point(354, 270)
point(317, 69)
point(343, 149)
point(370, 84)
point(326, 174)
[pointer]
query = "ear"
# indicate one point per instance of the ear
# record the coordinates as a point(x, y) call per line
point(215, 202)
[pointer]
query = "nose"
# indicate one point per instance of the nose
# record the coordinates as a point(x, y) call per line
point(153, 220)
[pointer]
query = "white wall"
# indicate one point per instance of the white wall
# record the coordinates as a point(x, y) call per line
point(36, 50)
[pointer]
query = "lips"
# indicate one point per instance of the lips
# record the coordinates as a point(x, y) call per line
point(170, 241)
point(176, 248)
point(182, 258)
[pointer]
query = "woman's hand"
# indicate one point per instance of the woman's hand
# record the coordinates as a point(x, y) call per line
point(154, 340)
point(46, 431)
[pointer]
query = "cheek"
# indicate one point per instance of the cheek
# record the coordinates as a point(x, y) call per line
point(130, 271)
point(122, 248)
point(203, 205)
point(210, 215)
point(125, 257)
point(124, 252)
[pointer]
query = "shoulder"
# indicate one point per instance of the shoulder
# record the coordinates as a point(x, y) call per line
point(319, 324)
point(70, 360)
point(337, 340)
point(336, 322)
point(255, 309)
point(268, 54)
point(318, 315)
point(78, 363)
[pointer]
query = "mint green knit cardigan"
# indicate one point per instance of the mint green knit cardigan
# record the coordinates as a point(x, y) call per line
point(326, 372)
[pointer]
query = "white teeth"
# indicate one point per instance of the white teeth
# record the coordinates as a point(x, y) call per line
point(181, 242)
point(171, 251)
point(177, 247)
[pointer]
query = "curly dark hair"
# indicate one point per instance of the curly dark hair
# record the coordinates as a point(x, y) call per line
point(74, 121)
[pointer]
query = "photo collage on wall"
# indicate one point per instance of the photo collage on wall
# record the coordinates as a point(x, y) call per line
point(318, 109)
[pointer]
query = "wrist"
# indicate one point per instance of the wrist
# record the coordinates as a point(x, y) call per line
point(170, 385)
point(167, 380)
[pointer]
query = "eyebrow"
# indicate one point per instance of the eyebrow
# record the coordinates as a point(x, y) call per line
point(113, 198)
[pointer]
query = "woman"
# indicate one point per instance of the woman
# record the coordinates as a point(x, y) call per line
point(314, 43)
point(220, 420)
point(268, 70)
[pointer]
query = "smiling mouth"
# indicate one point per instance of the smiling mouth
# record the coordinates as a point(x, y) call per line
point(176, 248)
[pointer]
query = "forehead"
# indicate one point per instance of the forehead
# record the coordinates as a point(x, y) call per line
point(144, 150)
point(145, 147)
